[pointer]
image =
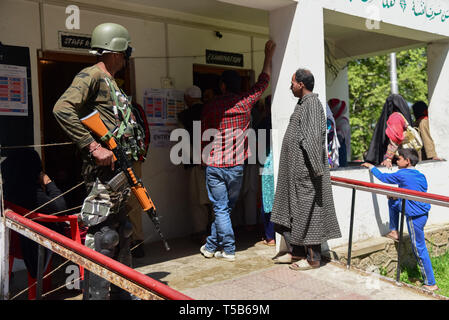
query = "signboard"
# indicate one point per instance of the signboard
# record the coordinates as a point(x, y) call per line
point(13, 90)
point(74, 41)
point(224, 58)
point(162, 107)
point(16, 101)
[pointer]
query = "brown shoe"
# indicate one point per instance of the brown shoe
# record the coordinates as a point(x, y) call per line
point(270, 243)
point(283, 257)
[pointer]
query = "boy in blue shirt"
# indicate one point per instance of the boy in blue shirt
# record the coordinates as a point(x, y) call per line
point(416, 212)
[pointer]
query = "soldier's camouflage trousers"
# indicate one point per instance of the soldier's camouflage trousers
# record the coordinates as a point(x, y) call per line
point(102, 200)
point(109, 232)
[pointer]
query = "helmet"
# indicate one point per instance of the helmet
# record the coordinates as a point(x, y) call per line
point(111, 37)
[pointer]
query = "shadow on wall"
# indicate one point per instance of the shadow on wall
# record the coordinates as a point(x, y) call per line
point(383, 227)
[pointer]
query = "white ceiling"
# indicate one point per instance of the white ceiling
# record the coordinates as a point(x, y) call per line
point(211, 9)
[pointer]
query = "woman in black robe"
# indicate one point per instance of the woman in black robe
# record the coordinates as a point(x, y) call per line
point(379, 141)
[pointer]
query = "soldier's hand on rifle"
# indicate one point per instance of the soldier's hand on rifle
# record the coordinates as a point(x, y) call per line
point(102, 156)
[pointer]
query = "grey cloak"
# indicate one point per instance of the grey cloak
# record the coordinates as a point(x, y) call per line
point(303, 201)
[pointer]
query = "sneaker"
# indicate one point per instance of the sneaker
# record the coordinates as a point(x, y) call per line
point(206, 253)
point(225, 256)
point(431, 288)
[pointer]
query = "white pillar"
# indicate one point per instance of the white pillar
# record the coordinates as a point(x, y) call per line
point(299, 35)
point(438, 84)
point(298, 31)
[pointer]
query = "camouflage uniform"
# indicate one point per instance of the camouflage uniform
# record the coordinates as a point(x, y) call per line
point(104, 210)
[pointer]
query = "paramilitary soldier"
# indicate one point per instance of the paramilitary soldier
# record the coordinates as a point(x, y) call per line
point(94, 88)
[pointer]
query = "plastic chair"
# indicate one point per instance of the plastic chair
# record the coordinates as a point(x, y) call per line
point(15, 251)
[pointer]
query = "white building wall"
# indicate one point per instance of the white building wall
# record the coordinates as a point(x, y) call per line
point(25, 34)
point(425, 15)
point(167, 183)
point(290, 28)
point(438, 82)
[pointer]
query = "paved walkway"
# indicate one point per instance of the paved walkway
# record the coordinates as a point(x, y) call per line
point(254, 276)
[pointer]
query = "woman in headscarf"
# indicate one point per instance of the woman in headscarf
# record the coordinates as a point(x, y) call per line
point(420, 110)
point(332, 139)
point(384, 143)
point(338, 108)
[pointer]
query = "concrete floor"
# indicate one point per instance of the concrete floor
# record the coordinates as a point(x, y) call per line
point(253, 276)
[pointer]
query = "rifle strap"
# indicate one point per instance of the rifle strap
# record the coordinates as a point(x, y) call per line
point(124, 110)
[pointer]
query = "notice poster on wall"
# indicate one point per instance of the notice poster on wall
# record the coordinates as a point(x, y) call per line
point(162, 107)
point(160, 136)
point(13, 90)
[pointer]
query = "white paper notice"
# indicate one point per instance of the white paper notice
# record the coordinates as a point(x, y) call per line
point(13, 91)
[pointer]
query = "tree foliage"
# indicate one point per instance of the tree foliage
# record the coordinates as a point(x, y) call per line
point(369, 87)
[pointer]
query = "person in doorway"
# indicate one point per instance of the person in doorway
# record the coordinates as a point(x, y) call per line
point(104, 210)
point(417, 213)
point(388, 133)
point(208, 95)
point(333, 145)
point(303, 208)
point(200, 205)
point(267, 176)
point(226, 118)
point(338, 108)
point(420, 111)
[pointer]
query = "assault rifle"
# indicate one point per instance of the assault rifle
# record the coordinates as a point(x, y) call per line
point(126, 175)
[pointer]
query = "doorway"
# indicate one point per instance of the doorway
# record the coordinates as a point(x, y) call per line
point(208, 77)
point(62, 163)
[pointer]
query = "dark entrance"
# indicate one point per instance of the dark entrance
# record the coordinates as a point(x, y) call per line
point(207, 78)
point(63, 163)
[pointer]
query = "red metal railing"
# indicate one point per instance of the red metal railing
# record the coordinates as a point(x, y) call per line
point(383, 189)
point(404, 194)
point(126, 272)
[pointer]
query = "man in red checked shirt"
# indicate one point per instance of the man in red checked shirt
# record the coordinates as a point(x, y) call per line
point(226, 119)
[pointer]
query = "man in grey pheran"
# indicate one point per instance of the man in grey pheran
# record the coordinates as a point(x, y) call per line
point(303, 208)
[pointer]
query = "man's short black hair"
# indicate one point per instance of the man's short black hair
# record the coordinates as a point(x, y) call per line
point(409, 154)
point(306, 77)
point(232, 80)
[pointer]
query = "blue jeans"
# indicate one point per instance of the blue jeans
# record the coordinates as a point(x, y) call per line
point(223, 187)
point(415, 226)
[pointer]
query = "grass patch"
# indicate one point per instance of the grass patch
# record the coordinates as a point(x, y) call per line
point(440, 269)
